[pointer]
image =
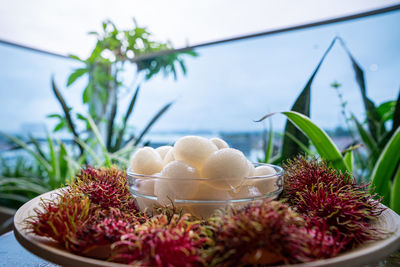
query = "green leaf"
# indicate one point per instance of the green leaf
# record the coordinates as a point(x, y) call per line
point(15, 197)
point(99, 140)
point(55, 174)
point(326, 148)
point(128, 113)
point(396, 114)
point(37, 146)
point(373, 117)
point(349, 159)
point(303, 147)
point(386, 166)
point(365, 136)
point(270, 144)
point(302, 105)
point(66, 109)
point(25, 146)
point(75, 57)
point(59, 126)
point(90, 151)
point(63, 163)
point(58, 116)
point(75, 75)
point(395, 201)
point(87, 93)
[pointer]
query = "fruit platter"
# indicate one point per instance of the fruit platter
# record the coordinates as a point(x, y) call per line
point(202, 203)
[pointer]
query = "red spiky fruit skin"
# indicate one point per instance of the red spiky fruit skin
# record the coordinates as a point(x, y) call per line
point(261, 228)
point(92, 213)
point(61, 218)
point(107, 187)
point(328, 197)
point(162, 242)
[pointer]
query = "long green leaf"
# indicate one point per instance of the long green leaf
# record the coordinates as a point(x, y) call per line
point(323, 143)
point(152, 121)
point(37, 145)
point(302, 105)
point(270, 144)
point(99, 140)
point(395, 201)
point(23, 184)
point(25, 146)
point(55, 174)
point(66, 110)
point(373, 117)
point(367, 139)
point(349, 159)
point(386, 166)
point(396, 115)
point(90, 151)
point(63, 163)
point(304, 148)
point(111, 120)
point(15, 197)
point(126, 117)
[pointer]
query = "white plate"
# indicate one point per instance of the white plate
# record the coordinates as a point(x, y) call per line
point(49, 250)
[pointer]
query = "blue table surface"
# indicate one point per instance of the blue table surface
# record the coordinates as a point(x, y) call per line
point(13, 254)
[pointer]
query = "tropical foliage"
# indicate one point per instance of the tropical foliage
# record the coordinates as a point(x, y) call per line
point(116, 53)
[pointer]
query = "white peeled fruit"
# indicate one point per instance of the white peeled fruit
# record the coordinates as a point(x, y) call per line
point(146, 188)
point(225, 168)
point(245, 191)
point(264, 185)
point(264, 170)
point(146, 161)
point(219, 143)
point(163, 150)
point(169, 157)
point(251, 169)
point(194, 150)
point(176, 182)
point(208, 193)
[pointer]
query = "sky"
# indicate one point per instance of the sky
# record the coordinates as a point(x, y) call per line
point(62, 26)
point(228, 86)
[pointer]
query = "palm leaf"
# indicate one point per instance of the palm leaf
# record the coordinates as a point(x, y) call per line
point(373, 117)
point(326, 148)
point(395, 201)
point(126, 117)
point(25, 146)
point(99, 140)
point(385, 167)
point(302, 104)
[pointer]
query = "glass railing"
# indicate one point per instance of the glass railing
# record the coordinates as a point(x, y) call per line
point(227, 86)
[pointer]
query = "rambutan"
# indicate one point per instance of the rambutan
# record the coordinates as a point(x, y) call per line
point(246, 236)
point(107, 187)
point(325, 195)
point(162, 242)
point(61, 218)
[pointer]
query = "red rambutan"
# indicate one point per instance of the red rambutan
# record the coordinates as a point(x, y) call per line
point(325, 195)
point(162, 242)
point(107, 187)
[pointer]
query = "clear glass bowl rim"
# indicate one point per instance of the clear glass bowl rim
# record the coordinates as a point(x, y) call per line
point(279, 173)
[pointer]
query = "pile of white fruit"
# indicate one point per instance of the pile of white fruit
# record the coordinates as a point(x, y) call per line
point(197, 168)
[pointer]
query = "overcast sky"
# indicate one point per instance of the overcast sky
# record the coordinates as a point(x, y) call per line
point(62, 26)
point(228, 86)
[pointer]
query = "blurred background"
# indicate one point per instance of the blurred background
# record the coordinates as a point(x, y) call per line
point(87, 82)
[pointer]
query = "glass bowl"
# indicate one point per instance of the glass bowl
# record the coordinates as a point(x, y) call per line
point(201, 196)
